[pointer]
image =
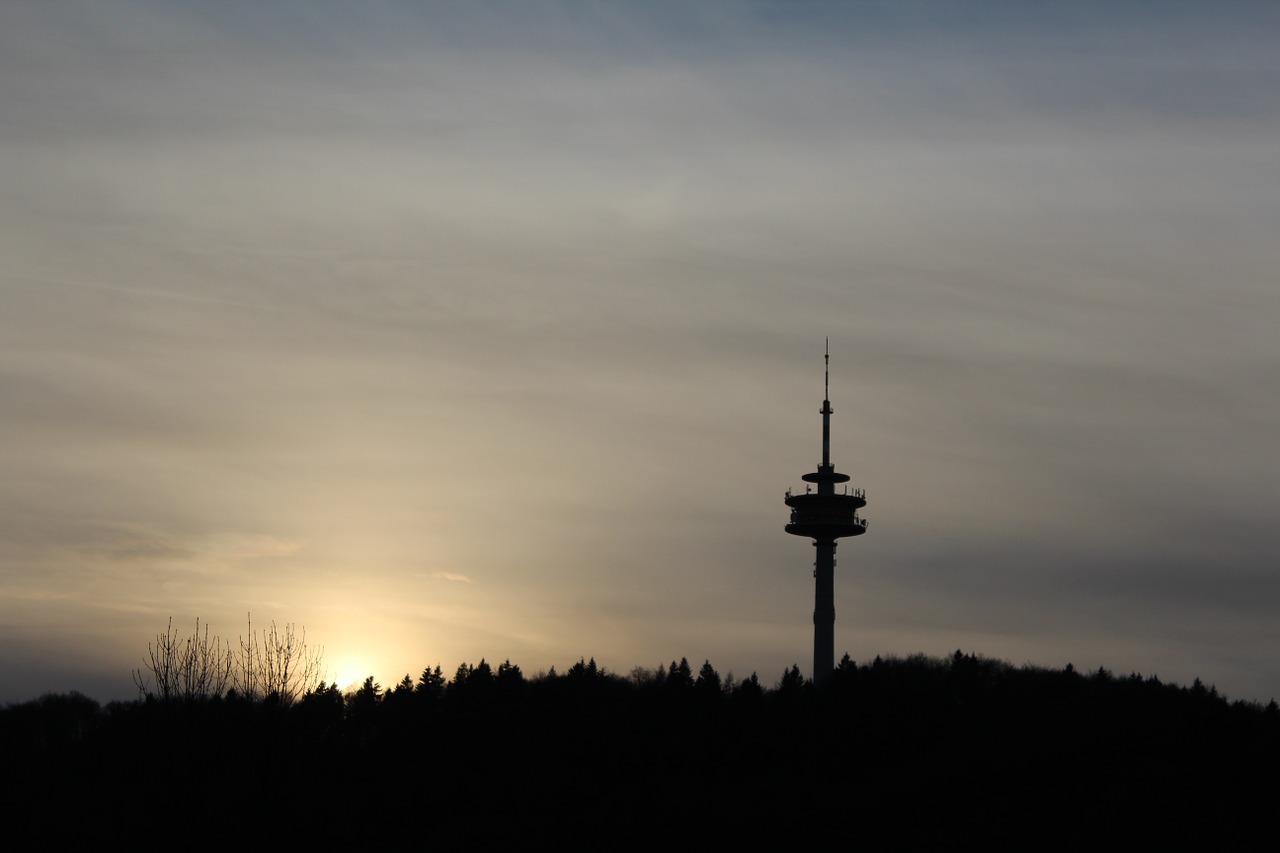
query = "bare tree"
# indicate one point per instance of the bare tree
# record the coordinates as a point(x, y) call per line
point(185, 668)
point(276, 662)
point(273, 661)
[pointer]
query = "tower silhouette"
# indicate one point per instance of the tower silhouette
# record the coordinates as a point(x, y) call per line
point(824, 517)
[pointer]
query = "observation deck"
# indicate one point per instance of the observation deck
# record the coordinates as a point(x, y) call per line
point(826, 517)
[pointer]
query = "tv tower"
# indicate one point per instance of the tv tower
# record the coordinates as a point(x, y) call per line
point(824, 517)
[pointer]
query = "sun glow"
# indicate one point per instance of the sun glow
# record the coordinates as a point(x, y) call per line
point(348, 673)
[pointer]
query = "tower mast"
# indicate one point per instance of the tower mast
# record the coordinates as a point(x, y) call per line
point(825, 517)
point(826, 406)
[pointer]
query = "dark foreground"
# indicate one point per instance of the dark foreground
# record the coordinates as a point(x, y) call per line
point(905, 753)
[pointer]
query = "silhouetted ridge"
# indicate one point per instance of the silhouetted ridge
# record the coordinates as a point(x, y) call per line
point(920, 750)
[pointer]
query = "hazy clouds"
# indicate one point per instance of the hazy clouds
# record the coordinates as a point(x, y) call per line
point(314, 312)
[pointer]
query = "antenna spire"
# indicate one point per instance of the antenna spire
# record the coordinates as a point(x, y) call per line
point(826, 408)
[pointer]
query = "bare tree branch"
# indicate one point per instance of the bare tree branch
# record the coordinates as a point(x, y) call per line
point(185, 669)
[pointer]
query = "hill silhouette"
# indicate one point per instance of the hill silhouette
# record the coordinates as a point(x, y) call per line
point(896, 753)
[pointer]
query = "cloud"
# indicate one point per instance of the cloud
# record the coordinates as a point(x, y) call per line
point(235, 547)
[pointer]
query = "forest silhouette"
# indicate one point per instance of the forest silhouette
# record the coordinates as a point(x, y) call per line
point(914, 752)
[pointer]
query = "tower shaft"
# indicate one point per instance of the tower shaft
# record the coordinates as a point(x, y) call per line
point(824, 610)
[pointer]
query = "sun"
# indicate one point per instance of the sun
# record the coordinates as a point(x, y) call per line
point(348, 674)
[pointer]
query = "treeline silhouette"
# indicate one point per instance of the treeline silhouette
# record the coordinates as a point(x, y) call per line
point(898, 752)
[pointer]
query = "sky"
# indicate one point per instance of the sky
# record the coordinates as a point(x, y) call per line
point(495, 330)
